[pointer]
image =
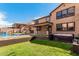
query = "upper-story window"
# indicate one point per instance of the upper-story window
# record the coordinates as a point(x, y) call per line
point(66, 13)
point(36, 21)
point(48, 19)
point(71, 11)
point(59, 15)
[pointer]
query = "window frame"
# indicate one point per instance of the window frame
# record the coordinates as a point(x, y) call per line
point(67, 15)
point(59, 17)
point(47, 19)
point(39, 28)
point(36, 21)
point(64, 15)
point(57, 28)
point(73, 13)
point(67, 26)
point(73, 26)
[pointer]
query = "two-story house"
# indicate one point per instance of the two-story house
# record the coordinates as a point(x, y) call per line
point(65, 18)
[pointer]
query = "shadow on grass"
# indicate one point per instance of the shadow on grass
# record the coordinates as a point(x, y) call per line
point(58, 44)
point(12, 41)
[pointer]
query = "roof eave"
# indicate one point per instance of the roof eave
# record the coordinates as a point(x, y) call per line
point(56, 8)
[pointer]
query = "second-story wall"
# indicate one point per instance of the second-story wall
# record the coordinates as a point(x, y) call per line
point(42, 20)
point(74, 18)
point(41, 25)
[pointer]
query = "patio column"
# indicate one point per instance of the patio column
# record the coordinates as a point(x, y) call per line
point(35, 30)
point(48, 30)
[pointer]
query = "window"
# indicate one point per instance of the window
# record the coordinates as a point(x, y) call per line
point(47, 19)
point(36, 21)
point(59, 15)
point(66, 13)
point(58, 27)
point(65, 27)
point(71, 26)
point(38, 28)
point(71, 11)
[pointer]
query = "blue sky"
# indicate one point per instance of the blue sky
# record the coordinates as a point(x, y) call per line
point(24, 12)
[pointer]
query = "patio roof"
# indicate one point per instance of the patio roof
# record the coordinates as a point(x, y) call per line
point(43, 24)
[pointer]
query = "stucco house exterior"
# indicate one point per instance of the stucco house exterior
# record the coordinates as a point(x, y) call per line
point(63, 19)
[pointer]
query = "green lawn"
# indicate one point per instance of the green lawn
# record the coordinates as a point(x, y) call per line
point(37, 48)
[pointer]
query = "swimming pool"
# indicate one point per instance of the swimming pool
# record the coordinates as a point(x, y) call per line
point(6, 35)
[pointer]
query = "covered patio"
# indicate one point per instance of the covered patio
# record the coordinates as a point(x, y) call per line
point(43, 28)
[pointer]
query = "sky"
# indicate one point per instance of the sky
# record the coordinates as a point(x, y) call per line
point(23, 12)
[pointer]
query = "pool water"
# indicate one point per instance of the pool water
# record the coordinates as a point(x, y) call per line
point(5, 35)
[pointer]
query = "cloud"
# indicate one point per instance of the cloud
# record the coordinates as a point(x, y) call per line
point(38, 17)
point(3, 21)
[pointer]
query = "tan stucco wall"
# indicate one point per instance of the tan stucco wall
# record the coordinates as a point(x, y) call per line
point(43, 30)
point(66, 19)
point(42, 20)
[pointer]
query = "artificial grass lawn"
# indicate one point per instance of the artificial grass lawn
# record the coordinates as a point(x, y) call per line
point(37, 48)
